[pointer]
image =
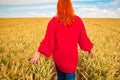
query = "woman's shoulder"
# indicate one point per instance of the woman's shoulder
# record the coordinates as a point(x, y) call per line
point(77, 17)
point(53, 19)
point(52, 22)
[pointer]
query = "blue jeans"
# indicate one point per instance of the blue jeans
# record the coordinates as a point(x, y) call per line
point(65, 76)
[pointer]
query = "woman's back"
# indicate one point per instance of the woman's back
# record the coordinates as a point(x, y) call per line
point(61, 42)
point(66, 36)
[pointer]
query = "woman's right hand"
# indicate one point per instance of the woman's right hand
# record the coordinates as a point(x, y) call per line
point(90, 53)
point(35, 58)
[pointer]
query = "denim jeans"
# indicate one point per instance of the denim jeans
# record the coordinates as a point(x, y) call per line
point(65, 76)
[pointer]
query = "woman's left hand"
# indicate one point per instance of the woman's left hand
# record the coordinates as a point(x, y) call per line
point(35, 58)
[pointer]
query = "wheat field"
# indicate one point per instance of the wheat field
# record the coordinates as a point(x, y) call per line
point(20, 38)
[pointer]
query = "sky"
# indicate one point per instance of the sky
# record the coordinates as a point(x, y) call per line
point(47, 8)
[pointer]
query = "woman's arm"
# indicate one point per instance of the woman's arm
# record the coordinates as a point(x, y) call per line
point(84, 41)
point(47, 45)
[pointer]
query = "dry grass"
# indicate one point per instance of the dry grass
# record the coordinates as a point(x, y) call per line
point(20, 38)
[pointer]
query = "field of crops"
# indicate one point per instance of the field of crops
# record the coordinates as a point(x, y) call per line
point(20, 38)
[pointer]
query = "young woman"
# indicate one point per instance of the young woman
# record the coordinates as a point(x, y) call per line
point(64, 32)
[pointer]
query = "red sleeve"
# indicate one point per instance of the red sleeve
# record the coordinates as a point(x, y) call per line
point(84, 42)
point(47, 45)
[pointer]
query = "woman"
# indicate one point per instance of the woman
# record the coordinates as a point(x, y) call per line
point(64, 32)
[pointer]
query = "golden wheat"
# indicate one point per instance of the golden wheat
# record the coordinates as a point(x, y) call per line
point(20, 38)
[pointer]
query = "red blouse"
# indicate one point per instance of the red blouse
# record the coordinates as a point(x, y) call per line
point(61, 42)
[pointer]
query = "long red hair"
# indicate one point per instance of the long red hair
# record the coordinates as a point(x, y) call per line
point(65, 12)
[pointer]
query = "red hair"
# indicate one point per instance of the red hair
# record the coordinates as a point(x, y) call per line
point(65, 12)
